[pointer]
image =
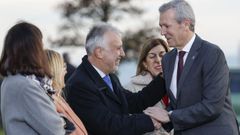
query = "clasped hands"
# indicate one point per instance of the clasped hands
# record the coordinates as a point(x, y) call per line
point(158, 115)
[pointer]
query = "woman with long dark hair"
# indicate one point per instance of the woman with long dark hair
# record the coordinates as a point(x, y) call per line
point(26, 104)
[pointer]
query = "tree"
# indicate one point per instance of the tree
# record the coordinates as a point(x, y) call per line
point(80, 15)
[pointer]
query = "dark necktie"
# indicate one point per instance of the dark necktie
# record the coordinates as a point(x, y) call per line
point(107, 80)
point(180, 64)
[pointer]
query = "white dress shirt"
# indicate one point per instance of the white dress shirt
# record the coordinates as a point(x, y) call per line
point(99, 72)
point(187, 47)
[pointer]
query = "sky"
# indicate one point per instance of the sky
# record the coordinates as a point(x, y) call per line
point(216, 20)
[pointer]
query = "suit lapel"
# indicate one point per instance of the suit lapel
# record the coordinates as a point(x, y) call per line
point(120, 92)
point(112, 95)
point(170, 67)
point(193, 53)
point(169, 73)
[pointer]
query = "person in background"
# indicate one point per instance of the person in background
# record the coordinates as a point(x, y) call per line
point(148, 67)
point(1, 79)
point(70, 67)
point(58, 70)
point(96, 95)
point(26, 104)
point(197, 78)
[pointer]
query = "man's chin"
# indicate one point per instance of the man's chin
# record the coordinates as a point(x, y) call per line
point(114, 69)
point(171, 44)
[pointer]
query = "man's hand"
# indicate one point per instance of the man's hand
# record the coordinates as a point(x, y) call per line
point(156, 124)
point(158, 114)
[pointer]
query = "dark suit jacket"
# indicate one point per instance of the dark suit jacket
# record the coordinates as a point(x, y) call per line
point(70, 70)
point(203, 105)
point(106, 113)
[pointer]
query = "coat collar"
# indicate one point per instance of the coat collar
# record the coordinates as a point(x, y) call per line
point(97, 79)
point(142, 79)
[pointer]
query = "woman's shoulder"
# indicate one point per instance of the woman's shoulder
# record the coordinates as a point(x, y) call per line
point(138, 82)
point(14, 78)
point(142, 79)
point(18, 80)
point(21, 86)
point(15, 83)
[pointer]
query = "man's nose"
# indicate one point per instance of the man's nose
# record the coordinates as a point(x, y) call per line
point(163, 31)
point(122, 53)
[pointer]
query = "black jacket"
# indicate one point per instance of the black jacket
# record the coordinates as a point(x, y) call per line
point(104, 112)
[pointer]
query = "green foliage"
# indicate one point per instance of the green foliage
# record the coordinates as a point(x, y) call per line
point(1, 132)
point(79, 15)
point(236, 104)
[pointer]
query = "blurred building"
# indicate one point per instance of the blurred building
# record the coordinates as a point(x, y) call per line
point(235, 80)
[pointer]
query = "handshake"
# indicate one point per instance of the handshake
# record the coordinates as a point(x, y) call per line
point(158, 115)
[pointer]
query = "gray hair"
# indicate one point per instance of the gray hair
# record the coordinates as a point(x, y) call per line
point(95, 37)
point(183, 11)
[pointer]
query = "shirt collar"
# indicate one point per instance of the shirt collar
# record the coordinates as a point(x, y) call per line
point(99, 72)
point(188, 46)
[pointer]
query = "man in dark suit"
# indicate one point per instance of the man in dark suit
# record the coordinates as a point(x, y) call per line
point(1, 79)
point(96, 95)
point(197, 78)
point(70, 67)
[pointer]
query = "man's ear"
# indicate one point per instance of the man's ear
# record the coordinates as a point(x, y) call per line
point(98, 52)
point(186, 23)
